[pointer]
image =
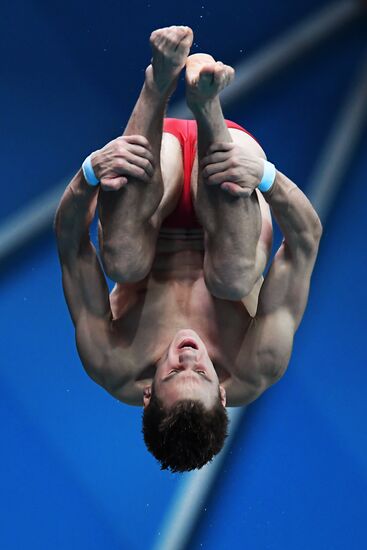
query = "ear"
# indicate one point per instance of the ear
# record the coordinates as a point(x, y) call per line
point(147, 394)
point(223, 396)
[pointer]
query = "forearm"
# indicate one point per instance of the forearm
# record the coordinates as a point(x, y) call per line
point(293, 212)
point(75, 211)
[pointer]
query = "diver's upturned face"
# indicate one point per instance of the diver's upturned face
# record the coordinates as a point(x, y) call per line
point(186, 372)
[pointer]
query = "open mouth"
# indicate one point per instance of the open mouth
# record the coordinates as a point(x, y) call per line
point(188, 343)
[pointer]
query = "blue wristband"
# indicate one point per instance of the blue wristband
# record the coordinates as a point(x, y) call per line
point(89, 172)
point(268, 176)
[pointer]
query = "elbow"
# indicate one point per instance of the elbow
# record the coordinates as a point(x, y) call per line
point(317, 229)
point(59, 225)
point(316, 234)
point(56, 224)
point(309, 239)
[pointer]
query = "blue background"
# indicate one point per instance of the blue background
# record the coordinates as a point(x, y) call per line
point(74, 470)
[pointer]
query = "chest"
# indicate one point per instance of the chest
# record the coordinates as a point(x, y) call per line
point(148, 317)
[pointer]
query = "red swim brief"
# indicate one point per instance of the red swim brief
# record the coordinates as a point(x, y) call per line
point(185, 131)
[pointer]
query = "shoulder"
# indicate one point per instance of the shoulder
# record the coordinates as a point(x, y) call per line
point(264, 356)
point(102, 353)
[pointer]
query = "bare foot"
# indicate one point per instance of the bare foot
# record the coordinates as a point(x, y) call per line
point(170, 46)
point(205, 78)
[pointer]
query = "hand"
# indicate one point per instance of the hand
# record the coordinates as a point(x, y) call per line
point(123, 157)
point(232, 168)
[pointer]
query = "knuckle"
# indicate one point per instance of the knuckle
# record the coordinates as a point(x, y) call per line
point(225, 290)
point(143, 140)
point(140, 171)
point(121, 148)
point(121, 163)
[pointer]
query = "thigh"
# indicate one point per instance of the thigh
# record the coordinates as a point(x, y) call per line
point(173, 177)
point(128, 244)
point(265, 242)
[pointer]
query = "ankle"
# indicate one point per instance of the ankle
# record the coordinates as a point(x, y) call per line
point(158, 90)
point(205, 108)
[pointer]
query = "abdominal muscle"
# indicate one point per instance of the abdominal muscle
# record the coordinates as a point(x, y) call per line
point(172, 297)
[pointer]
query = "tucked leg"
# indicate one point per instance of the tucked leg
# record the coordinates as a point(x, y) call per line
point(232, 225)
point(264, 244)
point(130, 217)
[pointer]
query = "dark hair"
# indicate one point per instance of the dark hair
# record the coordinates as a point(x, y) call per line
point(187, 435)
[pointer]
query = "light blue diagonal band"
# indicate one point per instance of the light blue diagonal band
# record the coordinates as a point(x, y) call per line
point(268, 176)
point(89, 172)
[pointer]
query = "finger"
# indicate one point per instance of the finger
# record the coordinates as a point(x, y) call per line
point(186, 39)
point(216, 179)
point(220, 146)
point(137, 140)
point(221, 156)
point(235, 190)
point(122, 167)
point(140, 151)
point(113, 184)
point(219, 76)
point(136, 160)
point(229, 174)
point(216, 168)
point(136, 172)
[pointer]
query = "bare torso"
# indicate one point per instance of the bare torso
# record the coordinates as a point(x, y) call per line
point(174, 296)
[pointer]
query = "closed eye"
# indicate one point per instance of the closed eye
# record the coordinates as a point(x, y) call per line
point(173, 372)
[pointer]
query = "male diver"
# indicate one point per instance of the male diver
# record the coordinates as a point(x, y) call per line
point(185, 231)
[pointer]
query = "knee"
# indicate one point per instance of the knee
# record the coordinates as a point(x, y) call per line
point(124, 266)
point(230, 287)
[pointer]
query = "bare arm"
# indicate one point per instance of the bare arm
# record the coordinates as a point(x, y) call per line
point(267, 347)
point(84, 284)
point(85, 287)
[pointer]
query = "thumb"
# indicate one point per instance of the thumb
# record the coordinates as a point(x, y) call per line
point(113, 184)
point(235, 190)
